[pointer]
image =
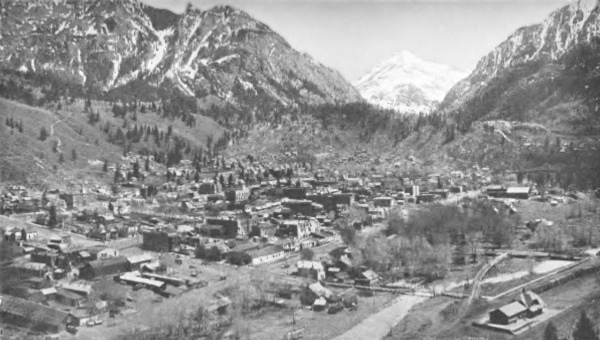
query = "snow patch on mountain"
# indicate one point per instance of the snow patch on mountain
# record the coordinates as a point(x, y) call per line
point(405, 83)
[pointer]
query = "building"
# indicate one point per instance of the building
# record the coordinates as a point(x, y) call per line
point(301, 206)
point(136, 261)
point(101, 252)
point(495, 191)
point(266, 254)
point(99, 268)
point(227, 227)
point(343, 198)
point(80, 287)
point(28, 314)
point(311, 269)
point(294, 193)
point(298, 228)
point(384, 202)
point(160, 241)
point(264, 229)
point(69, 298)
point(518, 192)
point(367, 278)
point(238, 195)
point(508, 314)
point(208, 188)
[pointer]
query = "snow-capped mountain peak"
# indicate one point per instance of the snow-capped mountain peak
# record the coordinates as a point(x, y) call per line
point(406, 83)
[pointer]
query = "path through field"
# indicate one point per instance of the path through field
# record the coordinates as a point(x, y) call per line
point(58, 141)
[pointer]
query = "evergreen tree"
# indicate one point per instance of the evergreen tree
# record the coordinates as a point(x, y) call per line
point(52, 220)
point(584, 329)
point(61, 158)
point(147, 165)
point(136, 169)
point(197, 176)
point(73, 154)
point(117, 174)
point(43, 134)
point(550, 333)
point(105, 166)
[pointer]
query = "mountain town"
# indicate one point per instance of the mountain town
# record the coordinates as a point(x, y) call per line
point(194, 176)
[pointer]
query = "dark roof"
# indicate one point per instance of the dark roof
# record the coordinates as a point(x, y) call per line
point(32, 311)
point(108, 266)
point(69, 294)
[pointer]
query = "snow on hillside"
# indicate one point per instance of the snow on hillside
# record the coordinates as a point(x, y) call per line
point(406, 83)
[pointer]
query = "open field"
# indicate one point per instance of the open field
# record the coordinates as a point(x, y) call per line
point(274, 324)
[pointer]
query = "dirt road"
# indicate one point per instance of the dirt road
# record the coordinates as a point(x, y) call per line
point(377, 326)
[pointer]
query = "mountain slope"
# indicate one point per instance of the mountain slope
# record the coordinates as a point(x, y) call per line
point(546, 73)
point(125, 48)
point(408, 84)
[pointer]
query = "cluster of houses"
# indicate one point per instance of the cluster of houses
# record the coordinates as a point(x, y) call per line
point(234, 210)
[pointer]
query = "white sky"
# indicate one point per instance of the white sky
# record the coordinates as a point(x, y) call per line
point(352, 36)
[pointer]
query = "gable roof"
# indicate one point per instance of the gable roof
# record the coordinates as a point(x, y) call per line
point(32, 311)
point(513, 309)
point(370, 275)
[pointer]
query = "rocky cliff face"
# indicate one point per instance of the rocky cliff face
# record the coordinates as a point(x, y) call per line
point(532, 50)
point(123, 46)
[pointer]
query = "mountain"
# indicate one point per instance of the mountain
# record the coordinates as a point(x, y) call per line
point(123, 48)
point(406, 83)
point(547, 73)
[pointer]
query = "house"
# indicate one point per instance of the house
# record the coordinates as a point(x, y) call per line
point(99, 268)
point(266, 254)
point(508, 314)
point(518, 192)
point(367, 278)
point(24, 313)
point(227, 227)
point(101, 252)
point(311, 269)
point(318, 290)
